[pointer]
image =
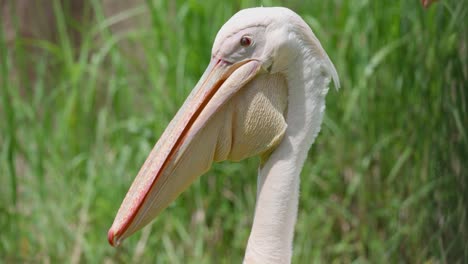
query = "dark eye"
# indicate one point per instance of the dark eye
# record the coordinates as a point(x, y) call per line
point(245, 41)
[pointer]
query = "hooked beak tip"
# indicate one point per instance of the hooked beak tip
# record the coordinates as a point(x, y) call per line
point(112, 238)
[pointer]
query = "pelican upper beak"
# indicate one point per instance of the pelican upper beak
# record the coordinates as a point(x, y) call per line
point(162, 178)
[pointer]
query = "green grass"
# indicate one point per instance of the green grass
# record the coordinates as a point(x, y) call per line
point(385, 182)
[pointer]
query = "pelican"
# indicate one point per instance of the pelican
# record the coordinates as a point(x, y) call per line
point(262, 94)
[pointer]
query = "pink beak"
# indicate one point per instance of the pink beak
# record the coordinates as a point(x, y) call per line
point(166, 172)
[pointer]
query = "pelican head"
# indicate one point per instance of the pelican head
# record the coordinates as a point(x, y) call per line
point(242, 106)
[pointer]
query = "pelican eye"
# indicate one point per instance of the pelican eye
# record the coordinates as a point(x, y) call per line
point(245, 41)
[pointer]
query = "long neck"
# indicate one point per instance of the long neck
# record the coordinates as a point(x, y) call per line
point(272, 232)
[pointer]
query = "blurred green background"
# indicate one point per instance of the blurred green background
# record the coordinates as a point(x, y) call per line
point(87, 87)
